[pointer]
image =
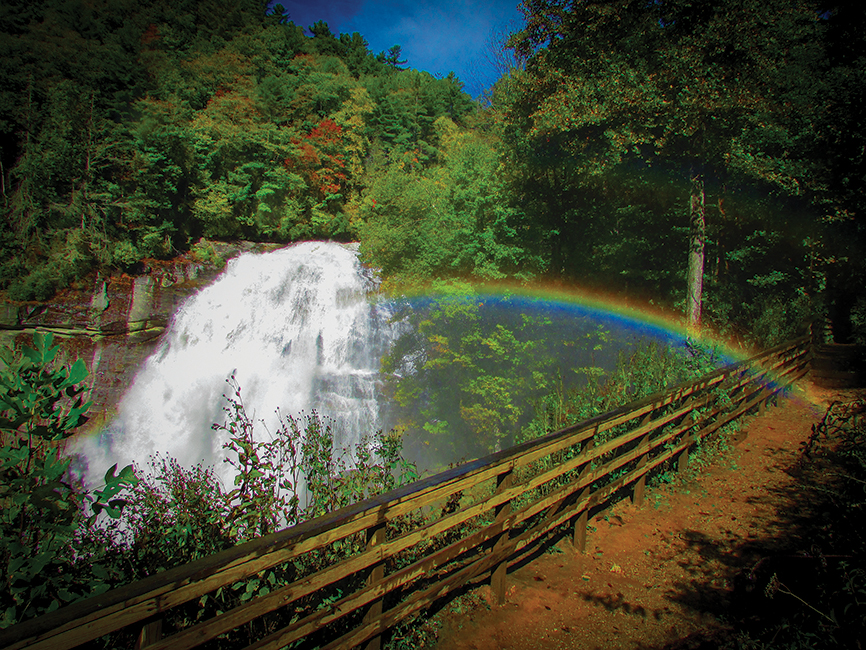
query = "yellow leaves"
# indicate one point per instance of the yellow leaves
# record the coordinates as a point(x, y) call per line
point(350, 118)
point(447, 131)
point(231, 108)
point(353, 110)
point(439, 344)
point(223, 70)
point(214, 206)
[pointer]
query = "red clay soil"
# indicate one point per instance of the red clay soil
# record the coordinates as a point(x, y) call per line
point(654, 575)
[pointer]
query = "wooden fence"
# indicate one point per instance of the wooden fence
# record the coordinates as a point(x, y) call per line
point(348, 577)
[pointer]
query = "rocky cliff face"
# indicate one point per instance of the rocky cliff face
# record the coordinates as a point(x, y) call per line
point(114, 322)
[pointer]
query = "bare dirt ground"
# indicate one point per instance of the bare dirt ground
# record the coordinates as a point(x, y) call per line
point(655, 575)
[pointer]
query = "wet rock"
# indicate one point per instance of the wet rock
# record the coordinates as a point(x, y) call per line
point(113, 322)
point(100, 302)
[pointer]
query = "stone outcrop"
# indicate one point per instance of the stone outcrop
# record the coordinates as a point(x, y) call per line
point(114, 322)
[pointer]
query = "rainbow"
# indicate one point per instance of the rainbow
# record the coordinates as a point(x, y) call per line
point(642, 317)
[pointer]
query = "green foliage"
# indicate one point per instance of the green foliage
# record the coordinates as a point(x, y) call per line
point(175, 515)
point(648, 369)
point(40, 403)
point(622, 104)
point(298, 473)
point(204, 251)
point(131, 130)
point(135, 128)
point(45, 559)
point(692, 83)
point(59, 544)
point(466, 374)
point(451, 220)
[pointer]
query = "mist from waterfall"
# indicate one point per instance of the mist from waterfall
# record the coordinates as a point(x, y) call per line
point(298, 330)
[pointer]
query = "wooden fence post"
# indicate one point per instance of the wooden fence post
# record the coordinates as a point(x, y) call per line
point(683, 460)
point(689, 438)
point(579, 539)
point(150, 633)
point(375, 536)
point(640, 485)
point(762, 404)
point(497, 578)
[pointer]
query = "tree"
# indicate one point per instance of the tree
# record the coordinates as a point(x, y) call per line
point(323, 40)
point(450, 220)
point(392, 57)
point(466, 373)
point(690, 87)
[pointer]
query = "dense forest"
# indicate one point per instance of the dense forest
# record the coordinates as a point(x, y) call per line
point(705, 157)
point(132, 129)
point(660, 150)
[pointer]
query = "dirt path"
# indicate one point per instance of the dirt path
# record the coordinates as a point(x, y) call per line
point(654, 575)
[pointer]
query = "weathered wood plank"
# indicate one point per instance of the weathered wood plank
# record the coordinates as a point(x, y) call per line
point(375, 537)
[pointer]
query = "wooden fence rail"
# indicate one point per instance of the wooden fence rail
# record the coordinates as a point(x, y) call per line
point(349, 576)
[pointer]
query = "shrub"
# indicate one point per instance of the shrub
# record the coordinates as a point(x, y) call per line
point(44, 562)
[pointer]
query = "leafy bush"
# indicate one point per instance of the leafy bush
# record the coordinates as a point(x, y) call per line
point(205, 252)
point(298, 474)
point(56, 549)
point(46, 561)
point(650, 368)
point(858, 321)
point(39, 284)
point(175, 515)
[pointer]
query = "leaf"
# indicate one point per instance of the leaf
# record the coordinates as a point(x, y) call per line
point(78, 372)
point(109, 475)
point(39, 562)
point(128, 474)
point(100, 571)
point(43, 343)
point(76, 416)
point(31, 354)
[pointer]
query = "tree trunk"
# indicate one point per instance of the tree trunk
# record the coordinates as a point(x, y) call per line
point(697, 235)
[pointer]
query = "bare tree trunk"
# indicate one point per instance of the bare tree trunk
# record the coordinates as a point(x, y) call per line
point(697, 236)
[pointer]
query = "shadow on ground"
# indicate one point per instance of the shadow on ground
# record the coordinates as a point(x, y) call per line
point(801, 581)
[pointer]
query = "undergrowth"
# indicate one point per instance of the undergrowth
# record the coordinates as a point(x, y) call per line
point(164, 515)
point(60, 543)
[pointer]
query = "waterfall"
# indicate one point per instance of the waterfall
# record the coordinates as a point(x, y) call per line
point(298, 330)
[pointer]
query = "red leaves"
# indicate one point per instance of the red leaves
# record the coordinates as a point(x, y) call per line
point(150, 34)
point(327, 131)
point(320, 159)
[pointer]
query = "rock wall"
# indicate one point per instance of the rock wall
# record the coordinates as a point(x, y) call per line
point(113, 322)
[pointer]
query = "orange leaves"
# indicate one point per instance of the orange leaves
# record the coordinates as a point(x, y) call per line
point(320, 159)
point(308, 155)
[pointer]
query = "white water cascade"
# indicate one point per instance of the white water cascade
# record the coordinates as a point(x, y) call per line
point(297, 329)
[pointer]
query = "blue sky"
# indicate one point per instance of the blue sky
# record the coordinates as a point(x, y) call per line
point(436, 36)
